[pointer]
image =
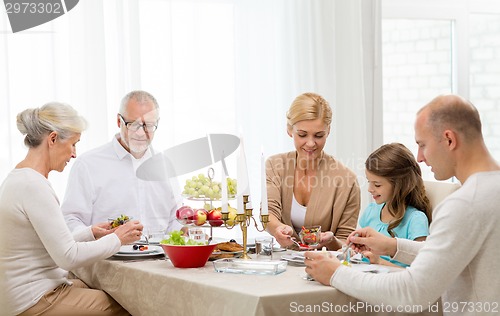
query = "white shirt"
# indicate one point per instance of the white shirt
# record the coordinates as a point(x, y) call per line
point(298, 214)
point(102, 185)
point(36, 246)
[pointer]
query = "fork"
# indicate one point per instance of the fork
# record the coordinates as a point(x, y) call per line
point(146, 238)
point(346, 253)
point(294, 241)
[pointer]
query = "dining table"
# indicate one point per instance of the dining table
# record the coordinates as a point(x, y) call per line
point(153, 286)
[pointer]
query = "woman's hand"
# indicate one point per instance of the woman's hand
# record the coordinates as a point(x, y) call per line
point(326, 238)
point(129, 232)
point(283, 235)
point(101, 229)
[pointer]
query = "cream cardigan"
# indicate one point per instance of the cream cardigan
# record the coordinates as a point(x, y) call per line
point(36, 247)
point(334, 202)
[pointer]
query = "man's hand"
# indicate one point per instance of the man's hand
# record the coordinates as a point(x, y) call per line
point(320, 266)
point(367, 239)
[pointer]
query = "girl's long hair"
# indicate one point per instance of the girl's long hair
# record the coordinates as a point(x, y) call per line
point(397, 164)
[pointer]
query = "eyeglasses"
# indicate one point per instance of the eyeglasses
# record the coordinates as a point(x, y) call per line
point(135, 126)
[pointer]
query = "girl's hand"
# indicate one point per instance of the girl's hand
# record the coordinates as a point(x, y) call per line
point(374, 259)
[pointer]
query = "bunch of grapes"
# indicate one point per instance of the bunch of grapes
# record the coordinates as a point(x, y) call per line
point(202, 187)
point(231, 187)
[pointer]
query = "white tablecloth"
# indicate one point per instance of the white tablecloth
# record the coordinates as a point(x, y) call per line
point(156, 287)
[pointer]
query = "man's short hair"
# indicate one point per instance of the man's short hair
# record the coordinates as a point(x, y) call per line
point(454, 113)
point(139, 95)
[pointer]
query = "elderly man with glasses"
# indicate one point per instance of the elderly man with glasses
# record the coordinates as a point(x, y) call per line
point(103, 184)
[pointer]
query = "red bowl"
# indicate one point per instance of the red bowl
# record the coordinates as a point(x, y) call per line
point(188, 256)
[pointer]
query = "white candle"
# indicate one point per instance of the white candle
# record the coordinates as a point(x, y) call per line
point(224, 192)
point(264, 210)
point(242, 178)
point(239, 204)
point(242, 165)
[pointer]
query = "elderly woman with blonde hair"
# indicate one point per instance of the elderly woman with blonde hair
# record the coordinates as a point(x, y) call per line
point(37, 249)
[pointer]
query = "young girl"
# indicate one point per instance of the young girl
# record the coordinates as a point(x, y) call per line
point(401, 207)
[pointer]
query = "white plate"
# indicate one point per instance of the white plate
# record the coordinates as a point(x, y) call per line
point(151, 242)
point(227, 252)
point(137, 256)
point(294, 257)
point(298, 258)
point(371, 268)
point(217, 240)
point(202, 197)
point(129, 250)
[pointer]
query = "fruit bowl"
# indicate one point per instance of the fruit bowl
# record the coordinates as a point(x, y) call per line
point(186, 215)
point(188, 256)
point(204, 188)
point(310, 236)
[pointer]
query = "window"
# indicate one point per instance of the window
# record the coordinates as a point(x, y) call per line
point(437, 47)
point(484, 79)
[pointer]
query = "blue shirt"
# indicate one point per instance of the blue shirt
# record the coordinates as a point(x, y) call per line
point(414, 224)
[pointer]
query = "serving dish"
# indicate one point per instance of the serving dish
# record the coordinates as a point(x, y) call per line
point(249, 266)
point(188, 256)
point(293, 258)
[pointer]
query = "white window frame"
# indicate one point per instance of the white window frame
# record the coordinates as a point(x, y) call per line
point(458, 11)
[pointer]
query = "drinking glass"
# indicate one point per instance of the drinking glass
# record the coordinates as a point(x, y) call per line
point(264, 248)
point(156, 234)
point(197, 234)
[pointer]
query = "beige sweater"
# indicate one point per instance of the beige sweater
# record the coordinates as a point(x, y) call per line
point(334, 202)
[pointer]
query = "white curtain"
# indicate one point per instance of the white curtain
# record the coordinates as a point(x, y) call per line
point(214, 66)
point(358, 82)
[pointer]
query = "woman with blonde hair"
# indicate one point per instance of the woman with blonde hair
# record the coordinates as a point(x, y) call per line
point(307, 186)
point(401, 208)
point(37, 249)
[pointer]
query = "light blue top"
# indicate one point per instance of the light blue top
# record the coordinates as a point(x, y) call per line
point(414, 224)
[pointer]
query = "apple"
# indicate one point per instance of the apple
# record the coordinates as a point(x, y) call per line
point(185, 214)
point(200, 216)
point(215, 217)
